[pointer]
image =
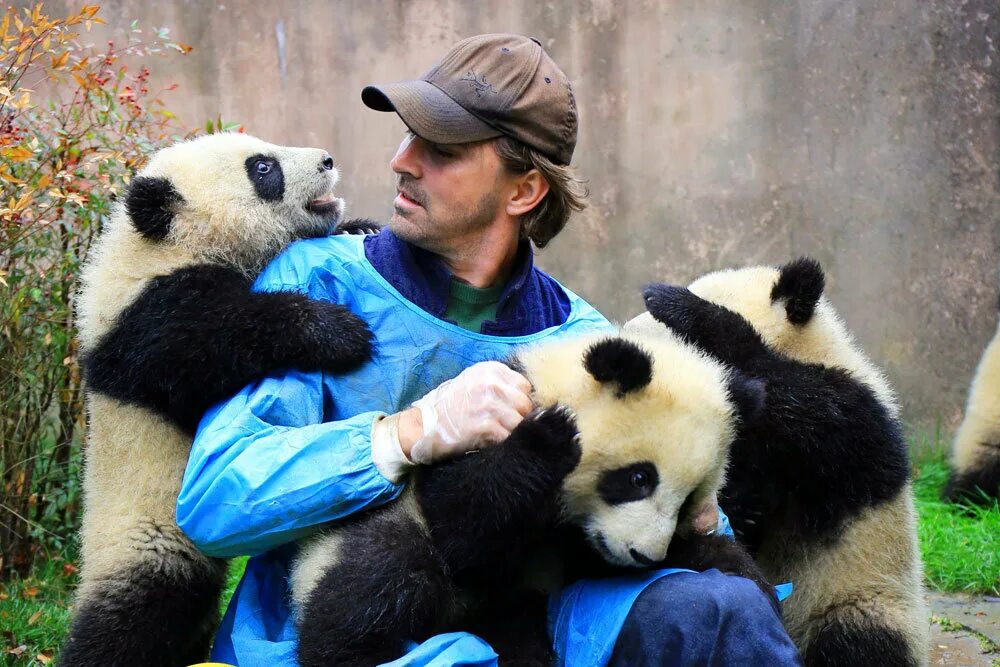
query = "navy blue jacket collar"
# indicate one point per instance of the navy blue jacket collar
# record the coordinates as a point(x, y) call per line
point(530, 302)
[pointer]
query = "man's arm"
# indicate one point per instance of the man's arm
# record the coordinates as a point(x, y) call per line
point(264, 468)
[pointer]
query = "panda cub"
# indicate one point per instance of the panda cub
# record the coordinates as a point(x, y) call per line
point(975, 454)
point(634, 439)
point(167, 327)
point(819, 486)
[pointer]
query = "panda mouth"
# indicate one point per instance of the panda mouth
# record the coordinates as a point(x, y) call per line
point(328, 205)
point(601, 545)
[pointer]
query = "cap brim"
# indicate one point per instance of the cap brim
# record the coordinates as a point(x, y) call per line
point(428, 112)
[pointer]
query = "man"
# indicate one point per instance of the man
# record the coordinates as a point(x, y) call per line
point(482, 172)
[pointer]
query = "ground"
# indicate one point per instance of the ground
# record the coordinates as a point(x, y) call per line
point(960, 547)
point(966, 630)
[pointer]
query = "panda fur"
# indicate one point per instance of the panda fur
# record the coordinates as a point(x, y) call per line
point(819, 487)
point(975, 454)
point(634, 439)
point(168, 326)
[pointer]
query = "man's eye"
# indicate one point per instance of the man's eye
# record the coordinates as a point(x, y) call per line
point(263, 167)
point(441, 151)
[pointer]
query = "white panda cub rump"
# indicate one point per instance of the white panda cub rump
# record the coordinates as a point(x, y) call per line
point(168, 326)
point(819, 485)
point(634, 439)
point(975, 456)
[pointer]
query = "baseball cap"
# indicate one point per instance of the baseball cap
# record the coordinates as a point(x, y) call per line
point(484, 87)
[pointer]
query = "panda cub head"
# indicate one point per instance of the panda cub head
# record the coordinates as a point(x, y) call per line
point(655, 418)
point(233, 199)
point(786, 306)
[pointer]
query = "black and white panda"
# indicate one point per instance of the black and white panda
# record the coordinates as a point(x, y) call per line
point(167, 327)
point(975, 455)
point(819, 486)
point(635, 439)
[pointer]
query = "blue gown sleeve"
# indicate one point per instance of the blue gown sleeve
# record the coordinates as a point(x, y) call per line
point(265, 467)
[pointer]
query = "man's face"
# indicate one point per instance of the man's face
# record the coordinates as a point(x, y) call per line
point(446, 193)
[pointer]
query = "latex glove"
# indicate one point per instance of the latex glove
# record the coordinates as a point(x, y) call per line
point(480, 406)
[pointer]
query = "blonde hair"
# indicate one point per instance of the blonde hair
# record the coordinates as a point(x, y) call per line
point(567, 193)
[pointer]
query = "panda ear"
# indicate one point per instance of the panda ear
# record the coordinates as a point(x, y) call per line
point(800, 284)
point(151, 204)
point(747, 394)
point(619, 361)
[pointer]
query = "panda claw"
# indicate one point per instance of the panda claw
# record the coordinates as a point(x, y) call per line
point(551, 432)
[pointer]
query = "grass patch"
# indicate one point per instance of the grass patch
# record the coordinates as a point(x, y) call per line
point(236, 568)
point(960, 545)
point(34, 613)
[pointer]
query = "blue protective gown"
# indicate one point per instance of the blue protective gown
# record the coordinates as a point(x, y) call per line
point(293, 451)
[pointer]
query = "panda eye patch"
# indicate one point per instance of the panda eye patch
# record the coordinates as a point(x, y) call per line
point(629, 483)
point(267, 177)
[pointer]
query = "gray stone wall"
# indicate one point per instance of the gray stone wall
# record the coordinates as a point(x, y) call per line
point(713, 133)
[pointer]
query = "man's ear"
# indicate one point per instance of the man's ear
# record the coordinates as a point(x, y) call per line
point(529, 190)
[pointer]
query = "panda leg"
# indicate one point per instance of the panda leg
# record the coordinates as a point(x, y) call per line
point(155, 613)
point(480, 506)
point(516, 629)
point(975, 454)
point(387, 585)
point(855, 638)
point(979, 483)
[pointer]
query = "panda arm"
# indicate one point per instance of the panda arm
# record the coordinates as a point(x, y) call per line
point(828, 446)
point(717, 330)
point(199, 334)
point(481, 505)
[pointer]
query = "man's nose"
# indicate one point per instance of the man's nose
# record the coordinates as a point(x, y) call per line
point(407, 157)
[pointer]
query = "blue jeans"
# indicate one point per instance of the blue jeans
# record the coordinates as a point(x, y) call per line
point(706, 618)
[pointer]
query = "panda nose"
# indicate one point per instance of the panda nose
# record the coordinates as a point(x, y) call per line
point(328, 163)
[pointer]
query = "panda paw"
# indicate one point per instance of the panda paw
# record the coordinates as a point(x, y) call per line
point(677, 307)
point(551, 433)
point(341, 340)
point(358, 227)
point(715, 329)
point(705, 552)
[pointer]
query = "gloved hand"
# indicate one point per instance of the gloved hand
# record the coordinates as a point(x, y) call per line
point(480, 406)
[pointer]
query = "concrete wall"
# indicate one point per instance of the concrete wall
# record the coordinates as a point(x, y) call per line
point(713, 133)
